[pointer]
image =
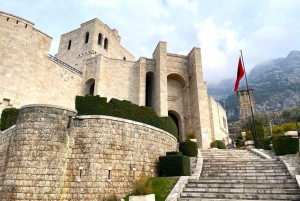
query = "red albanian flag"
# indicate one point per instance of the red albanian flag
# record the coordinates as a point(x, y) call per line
point(240, 74)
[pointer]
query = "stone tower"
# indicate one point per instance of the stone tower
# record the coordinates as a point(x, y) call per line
point(245, 103)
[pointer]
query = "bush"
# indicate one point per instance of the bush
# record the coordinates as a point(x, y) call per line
point(96, 105)
point(188, 148)
point(213, 144)
point(175, 165)
point(9, 118)
point(239, 143)
point(249, 135)
point(172, 153)
point(259, 129)
point(288, 126)
point(191, 135)
point(263, 143)
point(274, 136)
point(284, 146)
point(142, 186)
point(220, 144)
point(277, 130)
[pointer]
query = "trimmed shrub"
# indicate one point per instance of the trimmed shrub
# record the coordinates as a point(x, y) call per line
point(191, 135)
point(284, 146)
point(188, 148)
point(220, 144)
point(213, 144)
point(174, 153)
point(175, 165)
point(142, 186)
point(96, 105)
point(9, 118)
point(239, 143)
point(263, 143)
point(285, 136)
point(239, 137)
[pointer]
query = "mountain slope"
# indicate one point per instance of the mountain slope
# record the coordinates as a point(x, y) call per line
point(275, 83)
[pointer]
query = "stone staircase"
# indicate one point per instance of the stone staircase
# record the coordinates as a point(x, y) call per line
point(233, 174)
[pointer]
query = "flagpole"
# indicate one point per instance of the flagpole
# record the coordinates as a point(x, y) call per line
point(254, 127)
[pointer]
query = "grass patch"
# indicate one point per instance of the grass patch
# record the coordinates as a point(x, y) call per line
point(162, 187)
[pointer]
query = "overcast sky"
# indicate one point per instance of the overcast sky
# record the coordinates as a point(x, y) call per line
point(263, 29)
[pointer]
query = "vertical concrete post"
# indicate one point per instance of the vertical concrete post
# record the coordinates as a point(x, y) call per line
point(161, 85)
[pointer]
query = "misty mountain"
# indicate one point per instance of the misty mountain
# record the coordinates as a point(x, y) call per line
point(275, 84)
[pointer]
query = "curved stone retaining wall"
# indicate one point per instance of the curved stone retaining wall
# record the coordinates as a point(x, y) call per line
point(126, 147)
point(44, 160)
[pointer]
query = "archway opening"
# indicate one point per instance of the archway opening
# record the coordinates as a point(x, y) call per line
point(175, 119)
point(90, 87)
point(149, 89)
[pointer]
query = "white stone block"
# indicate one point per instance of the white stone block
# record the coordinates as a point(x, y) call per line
point(292, 133)
point(150, 197)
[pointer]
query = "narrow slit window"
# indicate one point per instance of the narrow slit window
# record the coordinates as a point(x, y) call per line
point(87, 37)
point(17, 22)
point(106, 43)
point(100, 39)
point(69, 45)
point(26, 26)
point(7, 19)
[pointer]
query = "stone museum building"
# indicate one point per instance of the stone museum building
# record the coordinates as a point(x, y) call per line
point(90, 60)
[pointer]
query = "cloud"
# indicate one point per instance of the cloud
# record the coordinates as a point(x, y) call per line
point(219, 49)
point(219, 28)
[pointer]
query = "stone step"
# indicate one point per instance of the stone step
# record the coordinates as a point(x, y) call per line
point(216, 199)
point(245, 177)
point(245, 174)
point(243, 167)
point(232, 159)
point(243, 162)
point(293, 185)
point(242, 190)
point(244, 181)
point(244, 170)
point(241, 196)
point(238, 159)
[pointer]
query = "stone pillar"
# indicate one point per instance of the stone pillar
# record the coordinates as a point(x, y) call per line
point(38, 154)
point(160, 56)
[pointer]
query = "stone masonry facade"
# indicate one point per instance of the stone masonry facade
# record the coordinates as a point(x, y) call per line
point(91, 60)
point(45, 157)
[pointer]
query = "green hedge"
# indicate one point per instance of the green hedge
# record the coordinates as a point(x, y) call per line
point(263, 143)
point(9, 118)
point(213, 144)
point(96, 105)
point(175, 165)
point(188, 148)
point(220, 144)
point(284, 146)
point(239, 143)
point(174, 153)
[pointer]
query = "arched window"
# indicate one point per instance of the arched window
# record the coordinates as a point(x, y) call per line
point(106, 43)
point(87, 37)
point(69, 46)
point(100, 39)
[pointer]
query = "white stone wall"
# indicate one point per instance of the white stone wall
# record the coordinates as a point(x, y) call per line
point(219, 120)
point(27, 75)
